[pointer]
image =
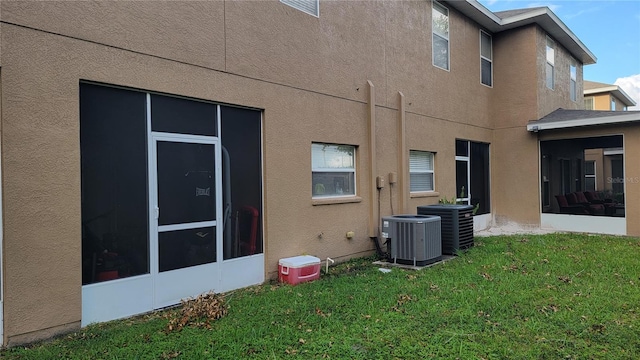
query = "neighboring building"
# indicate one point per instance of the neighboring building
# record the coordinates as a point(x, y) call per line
point(156, 150)
point(606, 97)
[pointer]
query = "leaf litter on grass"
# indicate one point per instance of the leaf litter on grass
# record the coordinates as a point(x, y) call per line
point(197, 312)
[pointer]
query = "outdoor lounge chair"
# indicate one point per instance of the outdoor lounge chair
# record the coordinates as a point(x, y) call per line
point(594, 198)
point(578, 198)
point(566, 208)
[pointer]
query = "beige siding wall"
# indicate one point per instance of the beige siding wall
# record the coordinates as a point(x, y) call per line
point(602, 102)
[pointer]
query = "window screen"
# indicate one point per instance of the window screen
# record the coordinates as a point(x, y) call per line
point(421, 171)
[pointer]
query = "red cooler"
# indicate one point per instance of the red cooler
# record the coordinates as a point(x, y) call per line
point(297, 269)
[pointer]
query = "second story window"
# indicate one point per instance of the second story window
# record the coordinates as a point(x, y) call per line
point(311, 7)
point(551, 59)
point(589, 103)
point(486, 59)
point(440, 37)
point(572, 82)
point(613, 104)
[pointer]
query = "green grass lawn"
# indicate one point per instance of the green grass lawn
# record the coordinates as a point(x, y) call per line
point(557, 296)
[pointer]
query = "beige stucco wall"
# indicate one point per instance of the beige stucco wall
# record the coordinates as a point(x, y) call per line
point(310, 77)
point(513, 105)
point(520, 58)
point(558, 97)
point(56, 45)
point(174, 30)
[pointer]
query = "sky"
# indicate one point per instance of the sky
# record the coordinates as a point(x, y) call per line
point(610, 29)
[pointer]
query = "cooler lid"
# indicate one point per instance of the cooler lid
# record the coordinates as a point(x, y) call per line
point(299, 261)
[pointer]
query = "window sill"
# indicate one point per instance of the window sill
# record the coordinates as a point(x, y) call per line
point(423, 194)
point(336, 200)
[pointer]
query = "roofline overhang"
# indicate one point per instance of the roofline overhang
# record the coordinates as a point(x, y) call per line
point(601, 120)
point(543, 17)
point(615, 90)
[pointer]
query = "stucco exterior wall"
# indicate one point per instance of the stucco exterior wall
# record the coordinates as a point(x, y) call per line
point(558, 97)
point(309, 76)
point(520, 58)
point(44, 59)
point(514, 104)
point(179, 31)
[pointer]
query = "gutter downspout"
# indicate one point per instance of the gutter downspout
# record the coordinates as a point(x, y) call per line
point(373, 217)
point(403, 193)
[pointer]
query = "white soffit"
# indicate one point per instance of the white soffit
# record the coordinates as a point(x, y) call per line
point(625, 117)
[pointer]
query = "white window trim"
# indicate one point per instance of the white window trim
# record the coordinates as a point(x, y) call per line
point(433, 34)
point(299, 5)
point(485, 58)
point(337, 170)
point(553, 66)
point(432, 171)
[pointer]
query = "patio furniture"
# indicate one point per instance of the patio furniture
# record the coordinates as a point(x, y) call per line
point(566, 208)
point(578, 198)
point(594, 197)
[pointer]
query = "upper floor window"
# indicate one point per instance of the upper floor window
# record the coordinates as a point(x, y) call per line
point(440, 43)
point(311, 7)
point(551, 58)
point(420, 171)
point(573, 69)
point(589, 103)
point(613, 104)
point(333, 170)
point(486, 59)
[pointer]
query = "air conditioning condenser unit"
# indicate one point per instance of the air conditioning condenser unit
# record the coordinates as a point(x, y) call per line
point(457, 225)
point(414, 239)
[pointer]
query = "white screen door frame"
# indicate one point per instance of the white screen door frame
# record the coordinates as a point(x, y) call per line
point(171, 286)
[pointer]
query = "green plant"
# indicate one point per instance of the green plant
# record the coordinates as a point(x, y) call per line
point(455, 201)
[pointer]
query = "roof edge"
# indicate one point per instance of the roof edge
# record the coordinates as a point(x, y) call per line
point(624, 117)
point(614, 89)
point(543, 16)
